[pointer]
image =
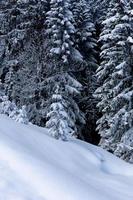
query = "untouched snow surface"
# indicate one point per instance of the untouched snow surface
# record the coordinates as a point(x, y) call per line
point(34, 166)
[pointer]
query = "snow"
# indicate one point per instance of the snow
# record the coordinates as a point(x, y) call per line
point(130, 39)
point(34, 166)
point(109, 20)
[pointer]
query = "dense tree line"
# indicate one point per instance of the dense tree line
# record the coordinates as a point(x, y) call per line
point(115, 75)
point(68, 64)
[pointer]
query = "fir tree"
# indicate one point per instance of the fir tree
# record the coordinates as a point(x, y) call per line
point(22, 53)
point(115, 74)
point(60, 123)
point(86, 42)
point(10, 109)
point(60, 28)
point(22, 116)
point(63, 115)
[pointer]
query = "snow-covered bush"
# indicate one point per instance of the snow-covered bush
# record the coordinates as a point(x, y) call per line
point(10, 109)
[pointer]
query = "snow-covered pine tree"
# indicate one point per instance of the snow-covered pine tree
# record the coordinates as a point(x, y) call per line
point(105, 69)
point(21, 55)
point(60, 124)
point(85, 32)
point(86, 42)
point(10, 109)
point(99, 9)
point(61, 38)
point(14, 37)
point(63, 115)
point(115, 74)
point(60, 28)
point(22, 116)
point(125, 147)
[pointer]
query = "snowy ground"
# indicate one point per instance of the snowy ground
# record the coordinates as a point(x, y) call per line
point(34, 166)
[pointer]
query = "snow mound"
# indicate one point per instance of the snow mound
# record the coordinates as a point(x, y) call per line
point(34, 166)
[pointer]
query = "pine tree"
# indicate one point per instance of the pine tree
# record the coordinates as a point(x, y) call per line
point(124, 147)
point(63, 115)
point(85, 32)
point(10, 109)
point(86, 42)
point(60, 123)
point(61, 85)
point(61, 30)
point(99, 10)
point(22, 53)
point(115, 74)
point(22, 116)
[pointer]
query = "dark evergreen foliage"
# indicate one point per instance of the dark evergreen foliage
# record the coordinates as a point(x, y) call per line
point(71, 63)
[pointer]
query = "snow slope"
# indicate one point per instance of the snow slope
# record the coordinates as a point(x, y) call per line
point(34, 166)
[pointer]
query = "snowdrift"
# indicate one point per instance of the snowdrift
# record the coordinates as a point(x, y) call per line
point(34, 166)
